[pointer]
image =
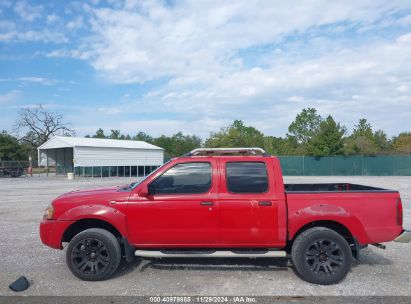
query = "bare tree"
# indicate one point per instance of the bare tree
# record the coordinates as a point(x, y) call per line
point(39, 124)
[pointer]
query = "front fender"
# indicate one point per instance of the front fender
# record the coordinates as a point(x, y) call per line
point(101, 212)
point(326, 212)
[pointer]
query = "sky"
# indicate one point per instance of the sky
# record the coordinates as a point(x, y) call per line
point(195, 66)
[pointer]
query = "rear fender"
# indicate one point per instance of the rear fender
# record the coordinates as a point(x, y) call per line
point(325, 212)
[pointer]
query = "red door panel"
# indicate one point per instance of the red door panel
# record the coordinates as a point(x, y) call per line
point(248, 219)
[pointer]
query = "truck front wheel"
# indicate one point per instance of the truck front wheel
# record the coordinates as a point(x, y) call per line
point(321, 256)
point(93, 255)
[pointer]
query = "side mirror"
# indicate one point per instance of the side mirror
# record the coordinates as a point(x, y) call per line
point(143, 191)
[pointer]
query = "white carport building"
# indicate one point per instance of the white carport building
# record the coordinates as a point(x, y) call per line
point(100, 157)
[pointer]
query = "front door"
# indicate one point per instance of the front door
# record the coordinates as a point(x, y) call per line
point(248, 204)
point(181, 209)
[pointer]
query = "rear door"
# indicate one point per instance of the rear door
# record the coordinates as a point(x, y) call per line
point(248, 203)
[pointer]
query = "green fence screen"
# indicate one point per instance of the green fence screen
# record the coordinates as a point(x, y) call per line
point(346, 165)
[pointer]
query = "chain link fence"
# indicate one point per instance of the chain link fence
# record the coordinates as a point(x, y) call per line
point(391, 165)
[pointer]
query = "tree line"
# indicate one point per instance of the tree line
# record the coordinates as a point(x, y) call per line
point(309, 134)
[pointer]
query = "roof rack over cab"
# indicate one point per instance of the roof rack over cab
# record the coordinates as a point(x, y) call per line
point(226, 151)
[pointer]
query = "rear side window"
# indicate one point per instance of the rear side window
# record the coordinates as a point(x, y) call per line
point(246, 177)
point(186, 178)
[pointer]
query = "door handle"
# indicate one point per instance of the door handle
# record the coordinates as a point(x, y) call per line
point(206, 203)
point(112, 202)
point(265, 203)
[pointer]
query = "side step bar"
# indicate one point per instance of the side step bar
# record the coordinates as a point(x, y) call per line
point(214, 254)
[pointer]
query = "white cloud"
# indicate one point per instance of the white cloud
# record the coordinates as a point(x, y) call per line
point(405, 21)
point(146, 40)
point(111, 110)
point(52, 18)
point(403, 88)
point(260, 61)
point(75, 24)
point(34, 29)
point(348, 84)
point(45, 36)
point(405, 40)
point(7, 25)
point(26, 11)
point(69, 53)
point(35, 79)
point(9, 97)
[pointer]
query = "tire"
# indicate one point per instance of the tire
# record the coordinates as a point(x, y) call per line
point(321, 256)
point(93, 255)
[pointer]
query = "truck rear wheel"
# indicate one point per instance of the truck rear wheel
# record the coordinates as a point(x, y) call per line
point(321, 256)
point(93, 255)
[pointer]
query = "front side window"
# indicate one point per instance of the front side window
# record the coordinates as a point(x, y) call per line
point(186, 178)
point(246, 177)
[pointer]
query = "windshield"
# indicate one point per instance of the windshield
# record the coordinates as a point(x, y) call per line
point(135, 184)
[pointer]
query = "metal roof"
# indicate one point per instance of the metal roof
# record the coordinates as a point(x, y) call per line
point(67, 142)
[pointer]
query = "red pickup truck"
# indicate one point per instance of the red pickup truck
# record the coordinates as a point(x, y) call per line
point(223, 203)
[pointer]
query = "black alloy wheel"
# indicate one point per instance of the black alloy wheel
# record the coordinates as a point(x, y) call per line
point(321, 256)
point(324, 257)
point(93, 254)
point(90, 256)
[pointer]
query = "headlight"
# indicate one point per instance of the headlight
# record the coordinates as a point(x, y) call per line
point(48, 213)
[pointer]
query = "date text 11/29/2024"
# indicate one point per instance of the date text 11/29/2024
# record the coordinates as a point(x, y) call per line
point(202, 299)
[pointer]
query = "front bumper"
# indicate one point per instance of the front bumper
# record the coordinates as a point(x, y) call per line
point(404, 237)
point(51, 232)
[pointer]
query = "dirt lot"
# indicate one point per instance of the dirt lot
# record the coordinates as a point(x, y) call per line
point(22, 201)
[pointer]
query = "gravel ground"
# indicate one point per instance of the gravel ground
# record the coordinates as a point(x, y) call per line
point(22, 201)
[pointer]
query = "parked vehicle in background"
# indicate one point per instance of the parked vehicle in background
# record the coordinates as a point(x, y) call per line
point(223, 203)
point(12, 168)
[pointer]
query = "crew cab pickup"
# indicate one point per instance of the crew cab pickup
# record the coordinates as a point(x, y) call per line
point(223, 203)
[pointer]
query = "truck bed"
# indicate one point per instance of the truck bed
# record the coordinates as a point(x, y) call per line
point(374, 210)
point(332, 187)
